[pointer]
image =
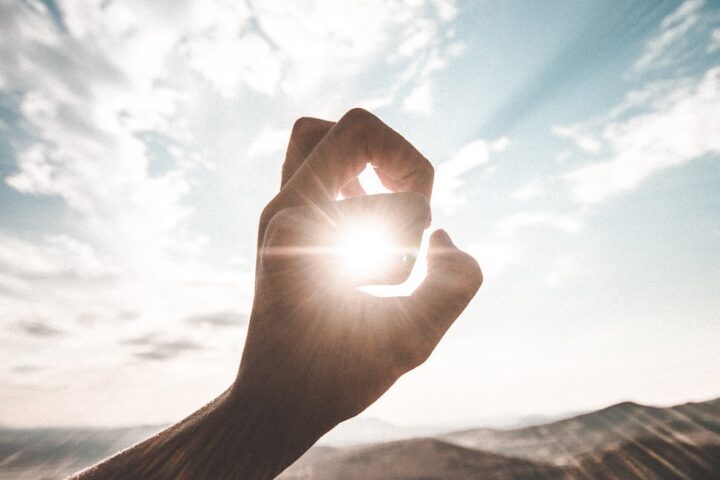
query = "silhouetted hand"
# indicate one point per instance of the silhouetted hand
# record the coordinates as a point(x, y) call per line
point(318, 351)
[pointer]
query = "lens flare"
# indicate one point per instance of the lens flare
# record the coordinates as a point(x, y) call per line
point(365, 249)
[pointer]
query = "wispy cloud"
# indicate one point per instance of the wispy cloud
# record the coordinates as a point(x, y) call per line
point(451, 174)
point(714, 44)
point(158, 347)
point(496, 256)
point(675, 128)
point(564, 268)
point(509, 226)
point(419, 100)
point(39, 328)
point(227, 318)
point(109, 103)
point(661, 49)
point(269, 142)
point(584, 141)
point(532, 189)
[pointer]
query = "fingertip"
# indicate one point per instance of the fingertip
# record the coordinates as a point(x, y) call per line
point(445, 255)
point(440, 238)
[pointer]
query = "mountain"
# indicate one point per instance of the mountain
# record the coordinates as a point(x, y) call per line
point(561, 442)
point(363, 430)
point(421, 458)
point(652, 459)
point(625, 441)
point(52, 453)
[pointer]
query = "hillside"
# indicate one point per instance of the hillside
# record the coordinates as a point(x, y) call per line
point(625, 441)
point(58, 452)
point(561, 442)
point(423, 458)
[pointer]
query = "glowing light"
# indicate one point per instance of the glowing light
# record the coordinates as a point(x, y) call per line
point(365, 250)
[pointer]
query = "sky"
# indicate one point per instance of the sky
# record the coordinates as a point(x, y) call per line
point(576, 147)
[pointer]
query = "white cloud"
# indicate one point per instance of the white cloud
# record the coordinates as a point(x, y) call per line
point(676, 128)
point(495, 257)
point(269, 142)
point(232, 61)
point(674, 28)
point(509, 226)
point(85, 97)
point(564, 268)
point(533, 189)
point(57, 255)
point(583, 140)
point(419, 100)
point(446, 9)
point(375, 103)
point(450, 174)
point(126, 71)
point(714, 41)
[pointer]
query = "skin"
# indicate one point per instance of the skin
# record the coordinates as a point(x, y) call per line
point(317, 352)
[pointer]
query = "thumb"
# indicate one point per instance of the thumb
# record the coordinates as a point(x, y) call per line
point(453, 278)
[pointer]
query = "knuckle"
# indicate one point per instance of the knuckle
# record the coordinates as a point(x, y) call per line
point(358, 113)
point(359, 118)
point(267, 214)
point(279, 220)
point(301, 125)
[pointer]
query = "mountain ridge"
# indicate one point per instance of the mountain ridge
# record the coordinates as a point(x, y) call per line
point(626, 440)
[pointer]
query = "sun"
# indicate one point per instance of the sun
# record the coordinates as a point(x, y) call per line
point(365, 250)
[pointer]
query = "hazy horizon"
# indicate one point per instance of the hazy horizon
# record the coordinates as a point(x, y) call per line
point(576, 147)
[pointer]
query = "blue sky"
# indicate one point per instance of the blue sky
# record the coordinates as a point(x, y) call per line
point(576, 146)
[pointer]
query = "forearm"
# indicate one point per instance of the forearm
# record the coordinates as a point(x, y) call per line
point(234, 437)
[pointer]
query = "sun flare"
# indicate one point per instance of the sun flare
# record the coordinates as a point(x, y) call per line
point(365, 249)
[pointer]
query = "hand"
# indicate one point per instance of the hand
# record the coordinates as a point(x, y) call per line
point(317, 353)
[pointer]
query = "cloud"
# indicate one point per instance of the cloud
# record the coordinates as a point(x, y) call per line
point(153, 347)
point(533, 189)
point(510, 225)
point(676, 128)
point(116, 109)
point(53, 257)
point(227, 318)
point(714, 41)
point(584, 141)
point(24, 369)
point(495, 257)
point(39, 329)
point(450, 174)
point(419, 100)
point(563, 269)
point(673, 29)
point(268, 143)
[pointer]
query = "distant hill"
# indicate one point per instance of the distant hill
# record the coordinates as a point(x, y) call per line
point(625, 441)
point(52, 453)
point(563, 441)
point(422, 458)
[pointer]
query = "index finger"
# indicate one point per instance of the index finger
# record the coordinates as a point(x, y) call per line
point(357, 139)
point(306, 134)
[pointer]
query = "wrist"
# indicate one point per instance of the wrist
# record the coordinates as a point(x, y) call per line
point(269, 430)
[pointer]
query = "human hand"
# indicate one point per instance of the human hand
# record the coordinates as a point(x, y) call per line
point(319, 352)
